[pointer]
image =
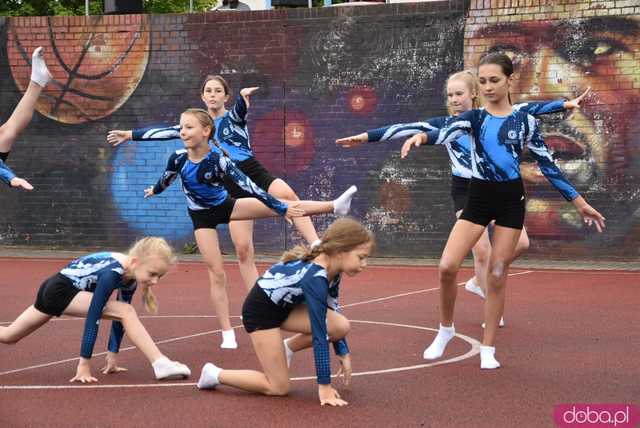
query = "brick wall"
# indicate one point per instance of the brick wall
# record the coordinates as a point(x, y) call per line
point(323, 74)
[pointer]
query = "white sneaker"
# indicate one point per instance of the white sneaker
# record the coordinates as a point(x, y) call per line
point(487, 358)
point(500, 324)
point(472, 287)
point(209, 376)
point(171, 370)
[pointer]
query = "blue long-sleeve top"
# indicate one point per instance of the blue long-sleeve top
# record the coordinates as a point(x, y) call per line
point(297, 282)
point(459, 149)
point(100, 274)
point(6, 175)
point(497, 143)
point(231, 132)
point(202, 181)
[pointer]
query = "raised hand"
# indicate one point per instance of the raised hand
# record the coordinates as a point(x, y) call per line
point(116, 137)
point(21, 182)
point(246, 92)
point(575, 103)
point(148, 192)
point(353, 141)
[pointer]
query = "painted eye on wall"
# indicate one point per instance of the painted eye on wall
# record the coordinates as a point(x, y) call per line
point(587, 52)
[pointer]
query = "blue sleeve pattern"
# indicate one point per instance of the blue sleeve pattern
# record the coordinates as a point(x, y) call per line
point(176, 160)
point(107, 282)
point(315, 291)
point(340, 346)
point(538, 149)
point(230, 169)
point(117, 329)
point(401, 130)
point(163, 133)
point(6, 175)
point(541, 107)
point(238, 113)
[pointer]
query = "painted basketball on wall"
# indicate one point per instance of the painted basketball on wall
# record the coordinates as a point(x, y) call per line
point(96, 62)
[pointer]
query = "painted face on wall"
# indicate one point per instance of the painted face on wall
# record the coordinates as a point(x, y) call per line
point(595, 147)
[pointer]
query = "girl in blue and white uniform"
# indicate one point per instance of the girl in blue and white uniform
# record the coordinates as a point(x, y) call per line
point(299, 295)
point(499, 133)
point(203, 171)
point(232, 134)
point(82, 289)
point(462, 95)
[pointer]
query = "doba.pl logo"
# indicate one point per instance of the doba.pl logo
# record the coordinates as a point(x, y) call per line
point(596, 415)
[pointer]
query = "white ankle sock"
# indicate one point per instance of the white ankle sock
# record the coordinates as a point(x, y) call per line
point(39, 71)
point(342, 205)
point(164, 368)
point(209, 378)
point(229, 339)
point(487, 358)
point(287, 352)
point(437, 347)
point(315, 243)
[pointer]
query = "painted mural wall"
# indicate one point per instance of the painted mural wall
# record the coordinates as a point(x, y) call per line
point(323, 74)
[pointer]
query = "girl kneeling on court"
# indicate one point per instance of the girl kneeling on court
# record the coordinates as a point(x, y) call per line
point(83, 288)
point(293, 296)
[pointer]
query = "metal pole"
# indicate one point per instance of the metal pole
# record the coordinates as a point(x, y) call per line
point(310, 4)
point(190, 6)
point(86, 7)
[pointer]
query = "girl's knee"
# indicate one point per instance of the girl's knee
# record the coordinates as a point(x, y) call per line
point(244, 252)
point(340, 329)
point(6, 338)
point(278, 389)
point(446, 269)
point(497, 273)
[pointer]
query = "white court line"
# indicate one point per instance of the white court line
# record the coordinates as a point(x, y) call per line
point(475, 349)
point(204, 333)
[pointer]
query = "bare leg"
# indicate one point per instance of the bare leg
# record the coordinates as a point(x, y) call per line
point(481, 253)
point(118, 311)
point(298, 321)
point(463, 237)
point(242, 237)
point(26, 323)
point(281, 190)
point(20, 117)
point(207, 240)
point(522, 246)
point(274, 378)
point(251, 208)
point(504, 245)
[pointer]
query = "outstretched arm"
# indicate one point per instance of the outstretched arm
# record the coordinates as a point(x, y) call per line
point(540, 152)
point(9, 177)
point(387, 133)
point(117, 137)
point(168, 176)
point(547, 107)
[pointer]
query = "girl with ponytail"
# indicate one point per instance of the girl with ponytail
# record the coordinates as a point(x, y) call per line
point(82, 289)
point(203, 171)
point(294, 296)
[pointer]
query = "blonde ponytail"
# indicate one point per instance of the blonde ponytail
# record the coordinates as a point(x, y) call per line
point(149, 300)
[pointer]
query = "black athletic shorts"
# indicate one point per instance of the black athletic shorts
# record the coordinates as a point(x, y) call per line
point(212, 217)
point(260, 313)
point(55, 294)
point(256, 172)
point(4, 156)
point(501, 201)
point(459, 192)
